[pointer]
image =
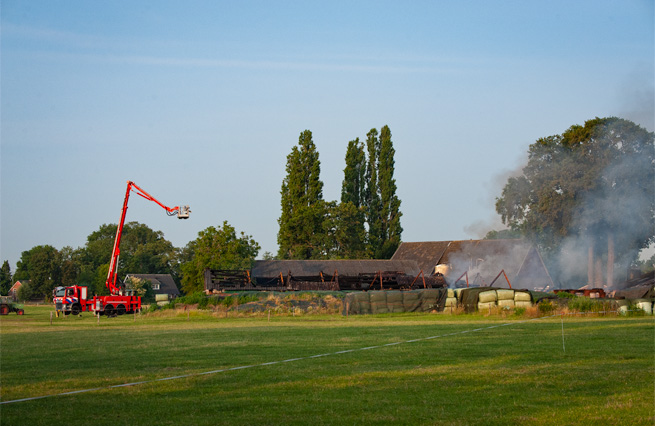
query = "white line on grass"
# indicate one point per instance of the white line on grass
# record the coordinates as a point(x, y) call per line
point(269, 363)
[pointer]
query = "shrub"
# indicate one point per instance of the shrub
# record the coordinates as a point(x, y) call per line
point(585, 304)
point(519, 312)
point(546, 307)
point(566, 295)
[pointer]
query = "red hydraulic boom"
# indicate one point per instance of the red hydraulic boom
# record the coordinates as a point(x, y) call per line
point(182, 213)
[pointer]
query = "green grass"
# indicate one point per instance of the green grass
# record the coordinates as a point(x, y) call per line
point(504, 375)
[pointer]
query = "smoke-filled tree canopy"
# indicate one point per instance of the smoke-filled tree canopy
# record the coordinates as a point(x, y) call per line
point(592, 182)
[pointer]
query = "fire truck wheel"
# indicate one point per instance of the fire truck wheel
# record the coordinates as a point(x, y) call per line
point(109, 311)
point(75, 309)
point(120, 309)
point(4, 309)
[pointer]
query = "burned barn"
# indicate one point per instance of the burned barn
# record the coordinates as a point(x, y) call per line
point(509, 262)
point(324, 275)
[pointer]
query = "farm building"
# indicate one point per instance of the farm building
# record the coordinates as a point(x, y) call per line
point(161, 283)
point(13, 291)
point(479, 261)
point(323, 275)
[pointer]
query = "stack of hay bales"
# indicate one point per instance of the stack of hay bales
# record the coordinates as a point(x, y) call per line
point(522, 299)
point(411, 300)
point(505, 298)
point(382, 302)
point(430, 299)
point(451, 299)
point(161, 299)
point(378, 302)
point(395, 302)
point(487, 299)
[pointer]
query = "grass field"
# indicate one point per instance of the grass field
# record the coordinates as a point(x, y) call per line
point(515, 374)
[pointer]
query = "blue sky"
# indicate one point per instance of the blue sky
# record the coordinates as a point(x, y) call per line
point(200, 102)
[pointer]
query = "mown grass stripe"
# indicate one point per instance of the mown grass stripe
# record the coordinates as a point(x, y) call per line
point(271, 363)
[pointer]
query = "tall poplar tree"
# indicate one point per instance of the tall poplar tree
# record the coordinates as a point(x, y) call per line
point(389, 202)
point(353, 188)
point(348, 217)
point(372, 197)
point(382, 204)
point(302, 222)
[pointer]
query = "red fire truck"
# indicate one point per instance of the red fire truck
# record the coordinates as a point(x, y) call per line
point(75, 299)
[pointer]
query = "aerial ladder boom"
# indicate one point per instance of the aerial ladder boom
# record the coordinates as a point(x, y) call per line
point(182, 212)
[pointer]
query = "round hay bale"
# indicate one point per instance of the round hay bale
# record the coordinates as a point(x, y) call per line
point(522, 304)
point(505, 294)
point(623, 309)
point(645, 305)
point(451, 292)
point(522, 296)
point(506, 303)
point(163, 303)
point(161, 297)
point(487, 296)
point(486, 305)
point(451, 302)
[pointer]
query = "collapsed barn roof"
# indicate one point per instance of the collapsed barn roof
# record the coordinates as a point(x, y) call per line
point(519, 259)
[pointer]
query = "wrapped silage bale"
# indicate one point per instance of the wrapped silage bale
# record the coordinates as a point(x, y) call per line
point(411, 300)
point(378, 302)
point(163, 303)
point(451, 302)
point(161, 297)
point(522, 296)
point(458, 294)
point(395, 301)
point(451, 292)
point(506, 303)
point(487, 296)
point(522, 304)
point(622, 306)
point(485, 306)
point(363, 302)
point(429, 299)
point(645, 305)
point(505, 294)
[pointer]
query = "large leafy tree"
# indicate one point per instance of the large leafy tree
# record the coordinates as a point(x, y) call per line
point(301, 233)
point(5, 278)
point(216, 248)
point(593, 185)
point(143, 251)
point(42, 266)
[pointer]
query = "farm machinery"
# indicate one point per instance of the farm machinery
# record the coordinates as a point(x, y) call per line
point(7, 305)
point(75, 299)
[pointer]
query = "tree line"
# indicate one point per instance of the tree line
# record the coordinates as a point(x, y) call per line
point(586, 197)
point(365, 224)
